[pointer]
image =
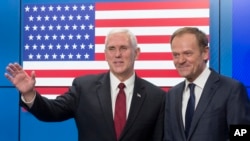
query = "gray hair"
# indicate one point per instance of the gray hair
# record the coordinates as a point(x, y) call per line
point(131, 35)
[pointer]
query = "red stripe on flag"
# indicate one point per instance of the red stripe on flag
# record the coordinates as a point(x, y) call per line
point(52, 90)
point(158, 39)
point(143, 56)
point(151, 5)
point(141, 39)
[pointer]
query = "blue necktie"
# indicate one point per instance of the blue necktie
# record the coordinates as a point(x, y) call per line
point(190, 109)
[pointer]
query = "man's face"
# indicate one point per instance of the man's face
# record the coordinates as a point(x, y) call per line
point(188, 57)
point(121, 55)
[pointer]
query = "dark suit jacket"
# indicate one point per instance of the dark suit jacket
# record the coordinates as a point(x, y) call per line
point(88, 101)
point(223, 102)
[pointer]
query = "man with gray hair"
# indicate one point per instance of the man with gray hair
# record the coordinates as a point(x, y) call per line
point(114, 106)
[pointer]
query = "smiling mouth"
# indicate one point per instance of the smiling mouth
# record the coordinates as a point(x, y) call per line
point(118, 62)
point(182, 67)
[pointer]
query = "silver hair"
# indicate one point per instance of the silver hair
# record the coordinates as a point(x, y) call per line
point(131, 35)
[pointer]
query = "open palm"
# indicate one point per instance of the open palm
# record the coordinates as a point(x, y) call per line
point(20, 79)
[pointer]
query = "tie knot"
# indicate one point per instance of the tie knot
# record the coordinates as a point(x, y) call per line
point(121, 86)
point(191, 86)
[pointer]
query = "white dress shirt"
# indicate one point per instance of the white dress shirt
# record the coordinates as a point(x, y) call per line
point(129, 83)
point(199, 82)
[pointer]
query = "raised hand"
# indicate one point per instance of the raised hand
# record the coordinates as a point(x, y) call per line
point(23, 82)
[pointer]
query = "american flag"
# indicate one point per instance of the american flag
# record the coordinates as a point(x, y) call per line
point(65, 40)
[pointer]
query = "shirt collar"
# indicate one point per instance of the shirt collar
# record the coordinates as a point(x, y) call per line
point(201, 80)
point(115, 81)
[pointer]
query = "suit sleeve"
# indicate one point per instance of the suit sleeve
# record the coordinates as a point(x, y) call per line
point(167, 122)
point(238, 106)
point(158, 132)
point(59, 109)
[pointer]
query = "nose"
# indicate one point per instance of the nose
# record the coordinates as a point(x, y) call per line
point(181, 59)
point(117, 53)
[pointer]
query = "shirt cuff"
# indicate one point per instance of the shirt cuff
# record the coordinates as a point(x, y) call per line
point(29, 103)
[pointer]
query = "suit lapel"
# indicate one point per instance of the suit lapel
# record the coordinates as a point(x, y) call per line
point(207, 95)
point(178, 108)
point(104, 95)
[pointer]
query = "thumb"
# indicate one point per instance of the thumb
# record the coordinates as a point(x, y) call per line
point(33, 76)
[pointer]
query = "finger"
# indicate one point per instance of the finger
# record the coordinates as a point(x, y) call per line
point(10, 70)
point(18, 67)
point(14, 69)
point(33, 75)
point(8, 76)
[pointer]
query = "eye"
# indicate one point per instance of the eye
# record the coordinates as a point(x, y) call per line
point(175, 55)
point(123, 48)
point(111, 48)
point(188, 53)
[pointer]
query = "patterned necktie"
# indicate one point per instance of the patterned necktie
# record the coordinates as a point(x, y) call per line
point(120, 110)
point(190, 109)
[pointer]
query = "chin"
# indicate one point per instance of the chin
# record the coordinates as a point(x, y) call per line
point(119, 71)
point(183, 74)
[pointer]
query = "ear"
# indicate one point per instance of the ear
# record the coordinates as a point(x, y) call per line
point(137, 53)
point(206, 53)
point(105, 54)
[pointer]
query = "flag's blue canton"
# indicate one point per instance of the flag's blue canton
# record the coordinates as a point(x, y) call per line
point(58, 32)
